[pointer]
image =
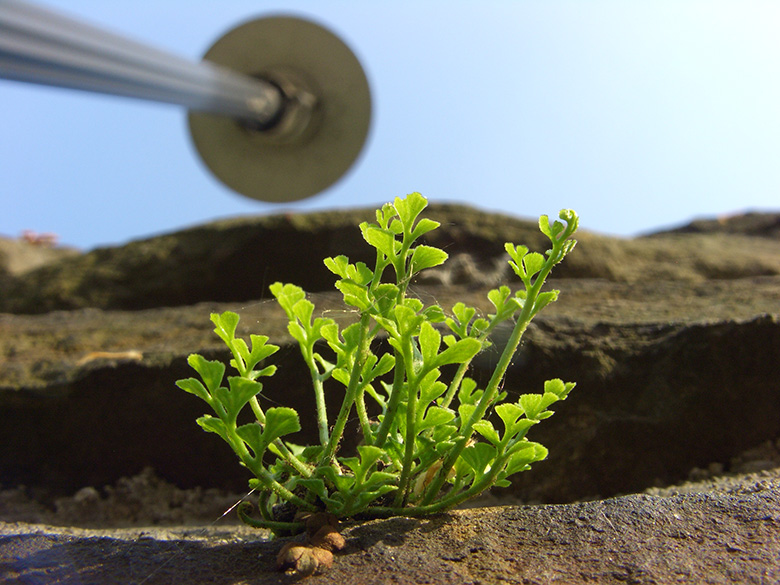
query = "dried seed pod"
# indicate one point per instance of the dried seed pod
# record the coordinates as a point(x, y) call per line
point(314, 522)
point(324, 557)
point(328, 538)
point(299, 559)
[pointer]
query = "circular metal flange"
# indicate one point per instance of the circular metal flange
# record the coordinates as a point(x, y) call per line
point(323, 126)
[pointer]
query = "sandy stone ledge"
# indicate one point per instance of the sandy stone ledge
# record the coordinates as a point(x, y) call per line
point(730, 536)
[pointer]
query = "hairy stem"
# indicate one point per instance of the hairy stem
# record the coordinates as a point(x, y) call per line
point(284, 451)
point(266, 523)
point(349, 398)
point(365, 424)
point(455, 384)
point(319, 398)
point(491, 391)
point(256, 466)
point(411, 428)
point(392, 403)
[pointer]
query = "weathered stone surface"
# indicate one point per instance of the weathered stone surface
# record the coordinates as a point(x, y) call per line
point(673, 340)
point(236, 260)
point(766, 225)
point(665, 384)
point(19, 255)
point(728, 536)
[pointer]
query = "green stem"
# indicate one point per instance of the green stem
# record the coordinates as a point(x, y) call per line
point(411, 428)
point(274, 525)
point(284, 451)
point(476, 488)
point(409, 440)
point(392, 403)
point(445, 503)
point(403, 276)
point(262, 504)
point(495, 381)
point(259, 414)
point(349, 398)
point(289, 456)
point(264, 476)
point(307, 351)
point(261, 473)
point(463, 368)
point(365, 425)
point(455, 384)
point(240, 365)
point(319, 397)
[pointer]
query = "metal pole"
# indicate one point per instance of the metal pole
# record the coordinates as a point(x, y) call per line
point(43, 47)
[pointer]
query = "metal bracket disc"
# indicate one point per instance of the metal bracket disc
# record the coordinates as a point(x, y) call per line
point(323, 128)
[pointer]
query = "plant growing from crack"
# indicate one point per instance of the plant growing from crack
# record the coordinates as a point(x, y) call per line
point(427, 443)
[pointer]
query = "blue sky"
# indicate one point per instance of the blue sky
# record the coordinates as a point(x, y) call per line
point(638, 115)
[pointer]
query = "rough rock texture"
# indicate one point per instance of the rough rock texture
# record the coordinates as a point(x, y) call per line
point(21, 255)
point(236, 260)
point(766, 225)
point(717, 537)
point(673, 340)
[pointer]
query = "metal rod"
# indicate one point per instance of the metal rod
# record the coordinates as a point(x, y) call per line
point(43, 47)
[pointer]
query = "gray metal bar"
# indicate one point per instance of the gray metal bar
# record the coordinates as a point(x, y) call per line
point(43, 47)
